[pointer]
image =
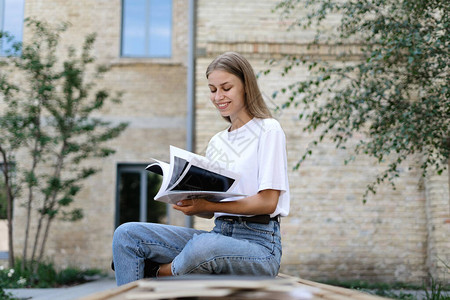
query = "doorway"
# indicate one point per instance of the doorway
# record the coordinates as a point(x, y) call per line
point(135, 191)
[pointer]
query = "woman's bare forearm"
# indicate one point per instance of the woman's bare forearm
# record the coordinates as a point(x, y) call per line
point(263, 203)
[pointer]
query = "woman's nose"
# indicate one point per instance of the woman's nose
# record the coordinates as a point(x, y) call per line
point(218, 95)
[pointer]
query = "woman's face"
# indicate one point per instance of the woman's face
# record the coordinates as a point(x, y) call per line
point(227, 94)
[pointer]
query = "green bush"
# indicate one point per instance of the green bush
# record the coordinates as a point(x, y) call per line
point(46, 276)
point(6, 296)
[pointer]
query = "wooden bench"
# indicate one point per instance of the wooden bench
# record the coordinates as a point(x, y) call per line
point(230, 288)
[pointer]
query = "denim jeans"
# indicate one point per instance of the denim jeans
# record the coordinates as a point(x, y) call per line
point(232, 247)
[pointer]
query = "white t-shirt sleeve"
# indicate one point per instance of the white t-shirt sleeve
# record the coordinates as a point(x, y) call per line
point(272, 173)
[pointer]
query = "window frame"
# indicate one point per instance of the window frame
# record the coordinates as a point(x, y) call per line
point(2, 13)
point(3, 10)
point(147, 54)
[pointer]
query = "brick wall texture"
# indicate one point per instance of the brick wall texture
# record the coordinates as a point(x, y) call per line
point(398, 235)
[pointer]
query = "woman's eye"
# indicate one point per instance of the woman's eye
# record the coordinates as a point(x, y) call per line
point(213, 91)
point(226, 89)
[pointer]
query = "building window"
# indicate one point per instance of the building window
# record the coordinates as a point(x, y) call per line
point(136, 189)
point(146, 28)
point(11, 21)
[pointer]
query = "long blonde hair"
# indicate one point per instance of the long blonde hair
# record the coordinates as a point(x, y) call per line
point(234, 63)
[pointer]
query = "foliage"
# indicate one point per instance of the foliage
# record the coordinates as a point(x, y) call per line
point(6, 296)
point(46, 276)
point(360, 284)
point(396, 295)
point(51, 120)
point(432, 290)
point(395, 93)
point(437, 290)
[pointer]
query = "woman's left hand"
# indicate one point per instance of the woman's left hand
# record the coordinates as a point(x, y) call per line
point(192, 207)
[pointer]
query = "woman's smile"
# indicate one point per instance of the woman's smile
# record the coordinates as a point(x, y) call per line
point(223, 106)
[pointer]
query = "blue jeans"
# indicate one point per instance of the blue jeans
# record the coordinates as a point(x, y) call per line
point(232, 247)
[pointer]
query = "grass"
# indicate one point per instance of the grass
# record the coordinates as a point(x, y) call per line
point(432, 291)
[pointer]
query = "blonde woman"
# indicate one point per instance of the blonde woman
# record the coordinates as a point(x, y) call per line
point(246, 238)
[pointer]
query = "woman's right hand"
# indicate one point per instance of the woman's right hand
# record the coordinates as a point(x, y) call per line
point(192, 207)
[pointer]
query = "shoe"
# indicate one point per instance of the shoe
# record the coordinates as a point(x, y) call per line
point(150, 269)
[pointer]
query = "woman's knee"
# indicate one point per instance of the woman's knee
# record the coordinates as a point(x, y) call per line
point(204, 246)
point(123, 232)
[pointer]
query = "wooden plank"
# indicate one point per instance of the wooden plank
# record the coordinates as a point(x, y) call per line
point(348, 293)
point(216, 286)
point(176, 293)
point(111, 293)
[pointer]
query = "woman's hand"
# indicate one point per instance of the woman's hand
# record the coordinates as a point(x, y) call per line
point(192, 207)
point(262, 203)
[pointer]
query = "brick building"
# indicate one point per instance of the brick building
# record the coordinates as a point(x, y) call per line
point(398, 235)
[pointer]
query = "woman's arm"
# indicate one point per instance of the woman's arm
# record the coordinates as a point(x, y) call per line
point(205, 215)
point(263, 203)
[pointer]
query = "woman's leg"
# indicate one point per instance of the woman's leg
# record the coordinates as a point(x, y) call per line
point(134, 242)
point(232, 248)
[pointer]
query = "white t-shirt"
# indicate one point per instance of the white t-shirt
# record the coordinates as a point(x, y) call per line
point(257, 151)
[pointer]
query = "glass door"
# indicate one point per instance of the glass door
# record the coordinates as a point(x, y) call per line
point(134, 196)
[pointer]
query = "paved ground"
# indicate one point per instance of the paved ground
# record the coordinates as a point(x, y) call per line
point(68, 293)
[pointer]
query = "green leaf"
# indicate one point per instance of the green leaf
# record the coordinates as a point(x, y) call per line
point(395, 93)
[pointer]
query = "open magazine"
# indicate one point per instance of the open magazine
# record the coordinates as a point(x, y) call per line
point(189, 175)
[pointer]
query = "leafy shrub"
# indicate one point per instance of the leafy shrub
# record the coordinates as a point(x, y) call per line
point(46, 276)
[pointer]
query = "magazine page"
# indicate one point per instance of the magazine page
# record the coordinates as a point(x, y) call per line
point(161, 168)
point(174, 196)
point(198, 179)
point(190, 175)
point(200, 168)
point(179, 165)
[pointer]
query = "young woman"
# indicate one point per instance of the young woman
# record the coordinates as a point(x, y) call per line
point(246, 237)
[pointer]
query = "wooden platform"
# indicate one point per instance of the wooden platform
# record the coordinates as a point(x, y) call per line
point(229, 288)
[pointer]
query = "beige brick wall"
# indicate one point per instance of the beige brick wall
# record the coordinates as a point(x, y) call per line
point(4, 235)
point(154, 102)
point(438, 225)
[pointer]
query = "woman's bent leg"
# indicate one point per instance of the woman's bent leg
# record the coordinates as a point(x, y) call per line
point(134, 242)
point(233, 248)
